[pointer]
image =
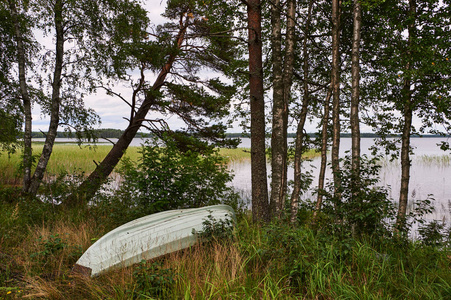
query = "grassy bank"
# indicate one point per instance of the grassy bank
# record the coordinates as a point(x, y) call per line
point(39, 244)
point(72, 159)
point(65, 159)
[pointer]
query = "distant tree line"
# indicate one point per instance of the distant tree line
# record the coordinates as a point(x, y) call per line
point(98, 133)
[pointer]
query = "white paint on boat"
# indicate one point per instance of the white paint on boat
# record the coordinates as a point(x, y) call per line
point(148, 237)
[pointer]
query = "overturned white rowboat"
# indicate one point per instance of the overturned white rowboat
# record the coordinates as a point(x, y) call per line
point(149, 237)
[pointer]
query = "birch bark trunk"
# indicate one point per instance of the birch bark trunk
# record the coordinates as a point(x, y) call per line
point(407, 114)
point(335, 77)
point(27, 160)
point(278, 144)
point(55, 104)
point(355, 92)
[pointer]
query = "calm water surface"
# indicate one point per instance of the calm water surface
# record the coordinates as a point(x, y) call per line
point(430, 174)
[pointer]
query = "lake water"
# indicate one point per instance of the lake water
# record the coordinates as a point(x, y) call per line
point(430, 172)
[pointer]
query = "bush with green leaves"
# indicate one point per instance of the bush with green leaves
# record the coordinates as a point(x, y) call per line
point(435, 233)
point(152, 281)
point(364, 208)
point(167, 178)
point(216, 230)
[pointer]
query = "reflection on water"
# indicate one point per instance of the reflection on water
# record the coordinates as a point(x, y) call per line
point(430, 175)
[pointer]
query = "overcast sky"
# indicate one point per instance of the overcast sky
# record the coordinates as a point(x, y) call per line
point(111, 109)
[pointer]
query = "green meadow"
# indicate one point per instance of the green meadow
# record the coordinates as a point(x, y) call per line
point(66, 158)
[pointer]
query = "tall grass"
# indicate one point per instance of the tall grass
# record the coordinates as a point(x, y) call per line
point(40, 242)
point(270, 262)
point(65, 159)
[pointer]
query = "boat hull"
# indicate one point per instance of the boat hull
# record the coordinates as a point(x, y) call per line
point(148, 237)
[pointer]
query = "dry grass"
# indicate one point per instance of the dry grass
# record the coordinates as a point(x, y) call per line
point(47, 254)
point(213, 271)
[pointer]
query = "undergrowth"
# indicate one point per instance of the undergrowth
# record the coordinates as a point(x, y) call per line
point(345, 255)
point(41, 242)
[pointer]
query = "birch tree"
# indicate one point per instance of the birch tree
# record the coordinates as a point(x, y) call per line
point(297, 164)
point(335, 78)
point(19, 32)
point(413, 69)
point(282, 74)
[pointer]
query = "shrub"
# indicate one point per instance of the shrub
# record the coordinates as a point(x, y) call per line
point(364, 208)
point(152, 281)
point(214, 230)
point(166, 178)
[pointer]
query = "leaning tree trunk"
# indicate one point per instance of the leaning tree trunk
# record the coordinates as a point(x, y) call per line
point(90, 186)
point(27, 153)
point(335, 75)
point(407, 114)
point(260, 206)
point(322, 169)
point(55, 104)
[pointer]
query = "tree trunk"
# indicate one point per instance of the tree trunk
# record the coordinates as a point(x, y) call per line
point(322, 170)
point(260, 206)
point(355, 121)
point(354, 116)
point(278, 144)
point(287, 83)
point(90, 186)
point(282, 81)
point(300, 128)
point(27, 152)
point(405, 163)
point(335, 75)
point(55, 104)
point(407, 114)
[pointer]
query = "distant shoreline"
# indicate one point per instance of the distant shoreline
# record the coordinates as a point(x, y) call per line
point(116, 133)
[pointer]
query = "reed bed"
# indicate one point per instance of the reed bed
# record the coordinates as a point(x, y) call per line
point(244, 154)
point(435, 160)
point(235, 155)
